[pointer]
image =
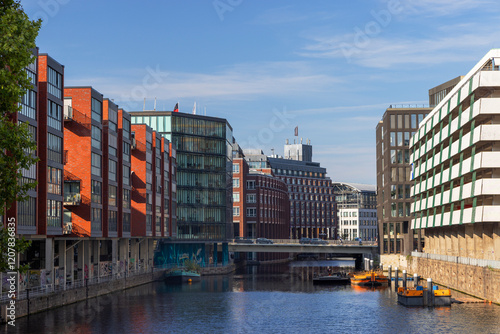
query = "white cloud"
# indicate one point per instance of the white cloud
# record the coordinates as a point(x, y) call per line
point(237, 82)
point(443, 8)
point(446, 45)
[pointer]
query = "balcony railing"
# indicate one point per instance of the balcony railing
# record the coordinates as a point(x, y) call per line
point(72, 198)
point(71, 114)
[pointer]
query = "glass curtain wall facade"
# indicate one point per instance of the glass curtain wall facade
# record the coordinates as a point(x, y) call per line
point(394, 180)
point(204, 171)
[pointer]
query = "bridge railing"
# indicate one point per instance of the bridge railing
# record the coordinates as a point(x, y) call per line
point(328, 242)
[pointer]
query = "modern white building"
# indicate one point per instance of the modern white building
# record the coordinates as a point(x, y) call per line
point(456, 167)
point(357, 210)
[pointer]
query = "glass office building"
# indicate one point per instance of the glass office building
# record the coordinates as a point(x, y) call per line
point(204, 171)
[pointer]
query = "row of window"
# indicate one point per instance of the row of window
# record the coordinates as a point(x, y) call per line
point(279, 171)
point(406, 121)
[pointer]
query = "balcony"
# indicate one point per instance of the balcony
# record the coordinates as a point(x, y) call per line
point(72, 198)
point(71, 114)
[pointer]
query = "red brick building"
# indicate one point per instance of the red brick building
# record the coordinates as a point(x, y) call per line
point(261, 206)
point(240, 172)
point(84, 172)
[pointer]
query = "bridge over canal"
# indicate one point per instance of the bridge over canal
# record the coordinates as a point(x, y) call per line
point(335, 248)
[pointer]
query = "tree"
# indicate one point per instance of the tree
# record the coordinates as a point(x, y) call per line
point(17, 42)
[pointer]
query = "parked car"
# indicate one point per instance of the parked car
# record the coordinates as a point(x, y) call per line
point(263, 241)
point(318, 241)
point(305, 240)
point(241, 240)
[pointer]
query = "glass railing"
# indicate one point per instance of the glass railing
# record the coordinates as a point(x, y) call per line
point(72, 198)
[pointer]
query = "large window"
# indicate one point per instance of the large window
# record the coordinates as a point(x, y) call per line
point(250, 185)
point(28, 104)
point(126, 222)
point(236, 183)
point(54, 80)
point(112, 221)
point(112, 195)
point(236, 168)
point(96, 110)
point(251, 198)
point(126, 152)
point(96, 137)
point(96, 192)
point(236, 211)
point(26, 212)
point(113, 119)
point(54, 115)
point(251, 212)
point(54, 212)
point(96, 220)
point(149, 221)
point(96, 164)
point(236, 197)
point(126, 128)
point(112, 170)
point(126, 175)
point(113, 145)
point(54, 180)
point(54, 147)
point(126, 199)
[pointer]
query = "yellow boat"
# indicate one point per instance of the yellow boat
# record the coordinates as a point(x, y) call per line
point(415, 297)
point(369, 279)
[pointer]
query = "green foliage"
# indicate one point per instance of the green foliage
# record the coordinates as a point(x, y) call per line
point(20, 246)
point(191, 265)
point(17, 41)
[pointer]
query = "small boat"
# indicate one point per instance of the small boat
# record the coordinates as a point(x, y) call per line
point(369, 279)
point(418, 296)
point(333, 279)
point(181, 276)
point(411, 296)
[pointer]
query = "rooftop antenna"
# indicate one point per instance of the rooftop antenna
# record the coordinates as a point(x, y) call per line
point(144, 106)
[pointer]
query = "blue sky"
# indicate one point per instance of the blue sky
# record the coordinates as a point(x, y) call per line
point(330, 67)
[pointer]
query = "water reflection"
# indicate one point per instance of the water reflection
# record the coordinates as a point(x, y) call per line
point(277, 299)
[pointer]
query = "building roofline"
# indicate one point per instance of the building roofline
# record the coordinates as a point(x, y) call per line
point(493, 53)
point(358, 186)
point(52, 59)
point(182, 114)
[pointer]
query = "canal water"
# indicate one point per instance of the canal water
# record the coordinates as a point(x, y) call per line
point(259, 299)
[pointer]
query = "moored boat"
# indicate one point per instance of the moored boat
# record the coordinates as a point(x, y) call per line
point(333, 279)
point(369, 279)
point(181, 276)
point(418, 296)
point(411, 296)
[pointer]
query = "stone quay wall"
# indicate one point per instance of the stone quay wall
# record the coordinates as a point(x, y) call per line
point(65, 297)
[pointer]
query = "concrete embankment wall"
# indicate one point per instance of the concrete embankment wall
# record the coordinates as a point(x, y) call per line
point(61, 298)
